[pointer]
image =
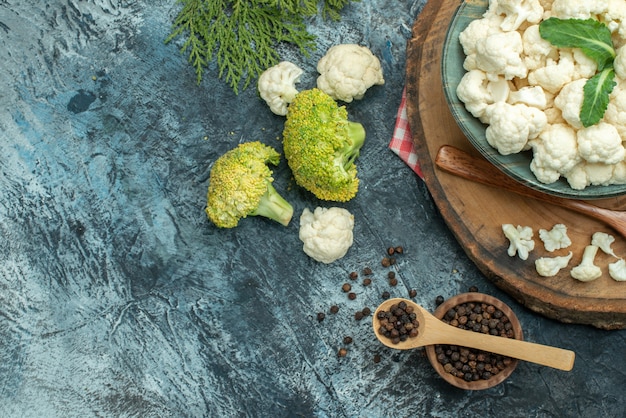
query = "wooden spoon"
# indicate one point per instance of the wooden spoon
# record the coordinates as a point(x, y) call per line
point(433, 331)
point(462, 164)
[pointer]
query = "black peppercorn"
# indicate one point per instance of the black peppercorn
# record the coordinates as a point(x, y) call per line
point(353, 275)
point(351, 295)
point(439, 300)
point(367, 271)
point(367, 281)
point(320, 316)
point(385, 295)
point(342, 352)
point(346, 287)
point(347, 339)
point(334, 309)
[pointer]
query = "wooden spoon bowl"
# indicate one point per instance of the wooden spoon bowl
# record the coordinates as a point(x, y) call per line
point(393, 318)
point(477, 298)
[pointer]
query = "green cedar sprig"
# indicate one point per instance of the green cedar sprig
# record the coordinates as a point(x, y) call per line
point(242, 35)
point(594, 39)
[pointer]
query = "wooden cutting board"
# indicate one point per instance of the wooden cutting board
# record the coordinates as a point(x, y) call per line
point(475, 213)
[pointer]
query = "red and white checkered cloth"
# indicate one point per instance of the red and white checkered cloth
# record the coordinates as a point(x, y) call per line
point(402, 141)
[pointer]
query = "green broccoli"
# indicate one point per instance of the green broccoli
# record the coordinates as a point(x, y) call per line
point(240, 185)
point(321, 145)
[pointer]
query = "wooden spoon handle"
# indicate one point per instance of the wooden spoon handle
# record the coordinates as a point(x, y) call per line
point(462, 164)
point(557, 358)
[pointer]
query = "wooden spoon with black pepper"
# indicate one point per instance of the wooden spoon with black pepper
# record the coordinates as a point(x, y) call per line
point(432, 331)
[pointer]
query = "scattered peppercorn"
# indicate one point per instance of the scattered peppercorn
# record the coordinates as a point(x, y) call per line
point(358, 315)
point(392, 261)
point(367, 271)
point(376, 358)
point(334, 309)
point(393, 282)
point(366, 311)
point(391, 275)
point(386, 262)
point(347, 339)
point(399, 250)
point(342, 352)
point(351, 295)
point(353, 275)
point(398, 323)
point(385, 295)
point(467, 363)
point(439, 300)
point(412, 293)
point(473, 289)
point(367, 281)
point(320, 316)
point(346, 287)
point(391, 250)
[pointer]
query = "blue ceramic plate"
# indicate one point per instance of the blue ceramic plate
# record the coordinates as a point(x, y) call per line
point(517, 165)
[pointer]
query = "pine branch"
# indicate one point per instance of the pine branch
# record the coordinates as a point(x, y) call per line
point(242, 35)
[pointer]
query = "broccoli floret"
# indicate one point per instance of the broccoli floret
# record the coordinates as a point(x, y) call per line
point(321, 145)
point(240, 185)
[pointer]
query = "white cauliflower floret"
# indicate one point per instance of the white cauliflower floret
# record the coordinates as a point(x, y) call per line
point(569, 101)
point(476, 92)
point(603, 241)
point(520, 240)
point(587, 271)
point(616, 110)
point(533, 96)
point(600, 143)
point(347, 71)
point(517, 12)
point(511, 126)
point(326, 233)
point(475, 32)
point(555, 74)
point(555, 152)
point(550, 266)
point(619, 63)
point(578, 9)
point(584, 67)
point(500, 54)
point(277, 86)
point(615, 20)
point(586, 174)
point(556, 238)
point(617, 270)
point(536, 49)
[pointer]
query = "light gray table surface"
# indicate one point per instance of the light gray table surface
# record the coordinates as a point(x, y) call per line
point(118, 298)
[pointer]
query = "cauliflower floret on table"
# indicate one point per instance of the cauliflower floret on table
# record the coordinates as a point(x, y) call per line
point(603, 241)
point(555, 238)
point(477, 92)
point(601, 143)
point(520, 240)
point(511, 126)
point(277, 86)
point(326, 233)
point(555, 152)
point(550, 266)
point(617, 270)
point(347, 71)
point(587, 271)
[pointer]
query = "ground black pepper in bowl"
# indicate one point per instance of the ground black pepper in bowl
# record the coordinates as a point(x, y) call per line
point(470, 368)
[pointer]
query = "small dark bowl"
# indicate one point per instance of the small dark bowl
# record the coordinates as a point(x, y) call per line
point(482, 383)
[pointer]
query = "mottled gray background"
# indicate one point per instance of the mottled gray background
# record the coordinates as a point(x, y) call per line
point(119, 299)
